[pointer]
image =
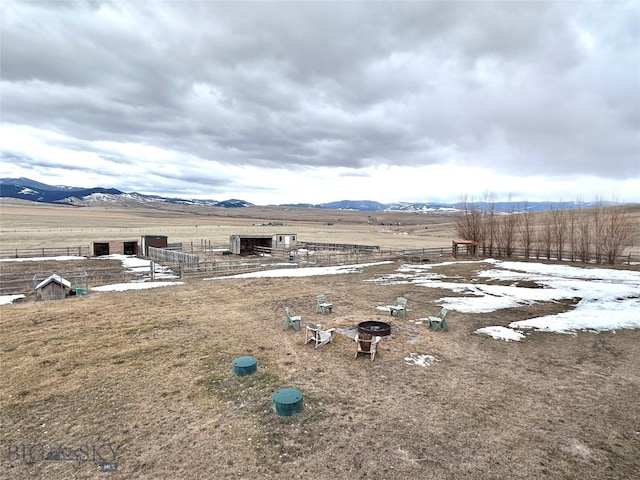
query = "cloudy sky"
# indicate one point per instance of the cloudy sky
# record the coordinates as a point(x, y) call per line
point(287, 102)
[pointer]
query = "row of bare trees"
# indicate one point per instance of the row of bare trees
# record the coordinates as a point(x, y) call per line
point(596, 234)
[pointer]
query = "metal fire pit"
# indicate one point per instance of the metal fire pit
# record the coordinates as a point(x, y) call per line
point(375, 328)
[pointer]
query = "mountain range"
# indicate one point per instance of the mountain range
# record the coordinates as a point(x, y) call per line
point(31, 190)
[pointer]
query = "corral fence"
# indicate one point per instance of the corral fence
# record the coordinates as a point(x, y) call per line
point(268, 259)
point(341, 247)
point(197, 251)
point(321, 255)
point(424, 254)
point(173, 256)
point(77, 278)
point(79, 251)
point(201, 248)
point(537, 253)
point(24, 283)
point(203, 260)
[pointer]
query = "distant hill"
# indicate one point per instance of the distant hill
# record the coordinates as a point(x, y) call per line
point(27, 189)
point(436, 207)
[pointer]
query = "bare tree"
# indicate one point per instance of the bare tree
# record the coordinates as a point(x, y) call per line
point(507, 229)
point(490, 224)
point(598, 231)
point(468, 221)
point(584, 236)
point(545, 235)
point(572, 232)
point(619, 228)
point(525, 228)
point(558, 230)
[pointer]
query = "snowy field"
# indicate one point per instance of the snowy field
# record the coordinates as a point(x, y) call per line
point(608, 299)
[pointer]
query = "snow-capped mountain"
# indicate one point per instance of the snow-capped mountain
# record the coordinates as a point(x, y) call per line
point(27, 189)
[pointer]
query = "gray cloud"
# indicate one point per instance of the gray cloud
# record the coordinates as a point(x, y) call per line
point(523, 87)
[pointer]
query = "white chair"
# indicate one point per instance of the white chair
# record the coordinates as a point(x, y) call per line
point(315, 334)
point(367, 344)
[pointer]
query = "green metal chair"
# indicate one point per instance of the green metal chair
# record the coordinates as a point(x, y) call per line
point(291, 320)
point(439, 322)
point(399, 308)
point(323, 305)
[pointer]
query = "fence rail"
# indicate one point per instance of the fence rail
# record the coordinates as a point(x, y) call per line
point(278, 259)
point(80, 251)
point(537, 253)
point(208, 264)
point(341, 247)
point(425, 254)
point(164, 255)
point(23, 283)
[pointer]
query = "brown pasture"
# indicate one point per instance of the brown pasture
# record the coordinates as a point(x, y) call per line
point(147, 374)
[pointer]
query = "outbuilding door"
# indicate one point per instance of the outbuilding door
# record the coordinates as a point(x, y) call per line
point(100, 249)
point(130, 248)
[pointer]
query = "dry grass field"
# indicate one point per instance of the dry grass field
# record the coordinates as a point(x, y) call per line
point(28, 225)
point(144, 379)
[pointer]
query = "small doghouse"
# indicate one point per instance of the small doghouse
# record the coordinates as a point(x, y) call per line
point(53, 287)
